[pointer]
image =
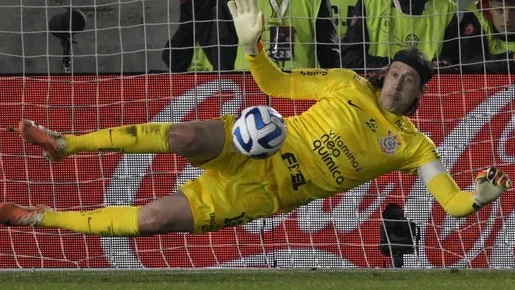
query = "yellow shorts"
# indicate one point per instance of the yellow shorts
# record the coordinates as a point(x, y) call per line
point(233, 190)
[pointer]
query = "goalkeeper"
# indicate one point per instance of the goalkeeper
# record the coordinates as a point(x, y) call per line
point(357, 130)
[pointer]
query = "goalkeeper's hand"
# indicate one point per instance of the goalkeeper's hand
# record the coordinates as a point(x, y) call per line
point(248, 22)
point(491, 183)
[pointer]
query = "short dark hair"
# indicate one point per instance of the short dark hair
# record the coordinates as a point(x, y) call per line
point(415, 58)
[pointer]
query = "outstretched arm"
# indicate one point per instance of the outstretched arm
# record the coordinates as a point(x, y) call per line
point(300, 84)
point(490, 185)
point(248, 22)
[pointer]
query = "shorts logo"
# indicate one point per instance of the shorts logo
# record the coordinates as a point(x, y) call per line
point(390, 143)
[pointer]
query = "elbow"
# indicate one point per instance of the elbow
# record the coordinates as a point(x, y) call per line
point(266, 89)
point(278, 88)
point(458, 211)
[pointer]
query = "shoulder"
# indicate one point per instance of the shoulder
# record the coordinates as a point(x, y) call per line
point(334, 72)
point(343, 72)
point(337, 77)
point(423, 140)
point(347, 76)
point(423, 146)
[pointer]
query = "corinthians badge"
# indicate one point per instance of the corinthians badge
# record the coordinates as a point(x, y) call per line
point(389, 143)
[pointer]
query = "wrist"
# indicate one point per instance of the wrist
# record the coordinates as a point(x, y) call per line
point(479, 201)
point(251, 50)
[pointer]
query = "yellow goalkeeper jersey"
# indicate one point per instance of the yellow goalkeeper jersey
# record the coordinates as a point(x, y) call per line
point(346, 138)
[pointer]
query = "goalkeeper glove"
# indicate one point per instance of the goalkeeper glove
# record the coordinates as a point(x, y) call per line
point(248, 22)
point(491, 183)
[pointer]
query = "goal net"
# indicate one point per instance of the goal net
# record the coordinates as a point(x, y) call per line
point(118, 78)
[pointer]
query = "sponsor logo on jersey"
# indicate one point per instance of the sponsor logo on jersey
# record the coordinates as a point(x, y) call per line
point(372, 125)
point(403, 128)
point(390, 143)
point(313, 72)
point(297, 178)
point(361, 80)
point(350, 102)
point(436, 153)
point(329, 147)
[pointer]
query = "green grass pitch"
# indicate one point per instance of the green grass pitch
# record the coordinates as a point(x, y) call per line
point(259, 279)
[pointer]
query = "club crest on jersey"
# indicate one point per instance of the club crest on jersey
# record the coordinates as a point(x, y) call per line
point(390, 143)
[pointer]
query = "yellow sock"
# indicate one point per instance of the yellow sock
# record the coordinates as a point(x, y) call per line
point(141, 138)
point(458, 203)
point(116, 221)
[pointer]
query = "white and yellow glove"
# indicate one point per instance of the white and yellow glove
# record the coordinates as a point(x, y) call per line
point(491, 183)
point(248, 21)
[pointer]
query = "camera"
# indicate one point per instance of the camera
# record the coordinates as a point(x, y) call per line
point(398, 235)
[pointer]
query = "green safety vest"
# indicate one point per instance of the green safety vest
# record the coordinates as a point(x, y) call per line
point(390, 30)
point(199, 61)
point(495, 44)
point(299, 14)
point(342, 10)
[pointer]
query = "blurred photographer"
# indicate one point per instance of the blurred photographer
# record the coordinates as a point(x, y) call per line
point(397, 235)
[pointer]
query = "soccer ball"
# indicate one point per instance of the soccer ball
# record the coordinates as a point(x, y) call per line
point(258, 132)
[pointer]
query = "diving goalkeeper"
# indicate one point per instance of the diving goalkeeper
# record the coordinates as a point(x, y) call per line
point(357, 130)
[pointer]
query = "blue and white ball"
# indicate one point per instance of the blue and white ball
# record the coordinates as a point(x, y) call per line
point(259, 132)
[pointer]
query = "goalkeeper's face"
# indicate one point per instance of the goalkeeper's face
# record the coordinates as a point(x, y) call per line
point(401, 88)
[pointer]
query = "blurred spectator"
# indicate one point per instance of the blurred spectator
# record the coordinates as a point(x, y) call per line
point(205, 39)
point(380, 28)
point(488, 37)
point(298, 34)
point(342, 12)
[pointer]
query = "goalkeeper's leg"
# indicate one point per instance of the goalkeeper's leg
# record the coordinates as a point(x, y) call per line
point(197, 141)
point(168, 214)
